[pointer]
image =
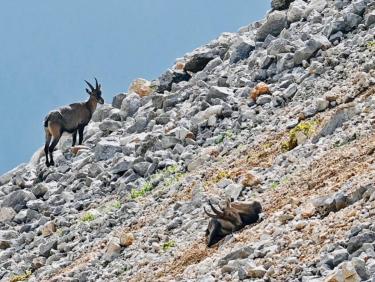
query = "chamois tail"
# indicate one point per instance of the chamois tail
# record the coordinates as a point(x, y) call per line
point(46, 121)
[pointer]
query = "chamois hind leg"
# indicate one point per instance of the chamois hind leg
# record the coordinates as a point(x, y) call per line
point(46, 145)
point(74, 138)
point(55, 130)
point(80, 131)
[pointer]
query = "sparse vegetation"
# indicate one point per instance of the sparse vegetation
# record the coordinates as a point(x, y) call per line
point(274, 185)
point(371, 45)
point(307, 128)
point(147, 187)
point(87, 217)
point(169, 176)
point(221, 175)
point(168, 245)
point(116, 204)
point(21, 277)
point(226, 135)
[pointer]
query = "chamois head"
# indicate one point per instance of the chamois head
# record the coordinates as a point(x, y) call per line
point(226, 220)
point(95, 93)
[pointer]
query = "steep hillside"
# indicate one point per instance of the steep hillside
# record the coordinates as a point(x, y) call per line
point(282, 111)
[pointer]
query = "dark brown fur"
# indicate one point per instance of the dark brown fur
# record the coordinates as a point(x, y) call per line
point(233, 217)
point(72, 119)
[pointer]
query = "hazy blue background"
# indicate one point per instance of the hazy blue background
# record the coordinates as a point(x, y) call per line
point(47, 49)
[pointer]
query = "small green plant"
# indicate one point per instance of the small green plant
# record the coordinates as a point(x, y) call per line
point(136, 193)
point(116, 204)
point(60, 232)
point(274, 185)
point(169, 175)
point(284, 181)
point(21, 277)
point(87, 217)
point(168, 245)
point(171, 169)
point(227, 135)
point(371, 45)
point(307, 128)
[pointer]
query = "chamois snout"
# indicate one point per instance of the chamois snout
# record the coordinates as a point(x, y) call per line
point(233, 217)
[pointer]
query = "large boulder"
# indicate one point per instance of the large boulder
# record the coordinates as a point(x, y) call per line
point(307, 51)
point(131, 104)
point(203, 116)
point(370, 18)
point(169, 77)
point(6, 214)
point(241, 50)
point(141, 86)
point(278, 46)
point(280, 4)
point(296, 11)
point(106, 149)
point(123, 165)
point(117, 100)
point(102, 112)
point(343, 24)
point(198, 61)
point(274, 24)
point(219, 92)
point(17, 200)
point(46, 247)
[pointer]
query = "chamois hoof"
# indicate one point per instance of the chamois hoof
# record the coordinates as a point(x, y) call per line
point(51, 163)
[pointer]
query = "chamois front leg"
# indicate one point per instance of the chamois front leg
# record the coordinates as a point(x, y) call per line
point(51, 148)
point(80, 131)
point(74, 138)
point(46, 145)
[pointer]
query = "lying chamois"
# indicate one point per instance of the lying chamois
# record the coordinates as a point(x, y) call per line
point(71, 119)
point(234, 216)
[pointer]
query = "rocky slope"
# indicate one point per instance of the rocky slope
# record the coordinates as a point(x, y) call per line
point(282, 111)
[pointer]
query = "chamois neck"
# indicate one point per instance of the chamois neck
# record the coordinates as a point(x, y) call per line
point(92, 104)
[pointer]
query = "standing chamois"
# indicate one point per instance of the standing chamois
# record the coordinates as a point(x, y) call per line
point(234, 216)
point(71, 119)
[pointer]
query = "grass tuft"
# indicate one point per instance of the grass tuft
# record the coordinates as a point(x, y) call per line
point(169, 176)
point(87, 217)
point(21, 277)
point(168, 245)
point(227, 135)
point(307, 128)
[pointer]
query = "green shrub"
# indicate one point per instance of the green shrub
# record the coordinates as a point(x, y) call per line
point(116, 204)
point(87, 217)
point(168, 245)
point(21, 277)
point(136, 193)
point(274, 185)
point(227, 135)
point(169, 176)
point(307, 128)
